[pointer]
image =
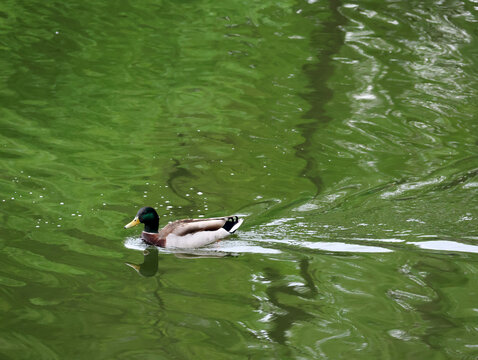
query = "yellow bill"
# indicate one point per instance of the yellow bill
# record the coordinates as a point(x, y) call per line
point(134, 266)
point(132, 223)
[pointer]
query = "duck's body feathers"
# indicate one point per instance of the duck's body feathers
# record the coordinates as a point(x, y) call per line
point(189, 226)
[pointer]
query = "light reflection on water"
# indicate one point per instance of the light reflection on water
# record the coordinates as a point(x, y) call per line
point(446, 245)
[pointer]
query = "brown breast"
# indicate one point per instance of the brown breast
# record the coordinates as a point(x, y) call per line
point(153, 239)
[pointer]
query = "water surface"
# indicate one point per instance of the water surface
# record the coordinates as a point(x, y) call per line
point(344, 132)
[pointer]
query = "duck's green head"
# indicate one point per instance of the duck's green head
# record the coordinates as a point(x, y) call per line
point(149, 217)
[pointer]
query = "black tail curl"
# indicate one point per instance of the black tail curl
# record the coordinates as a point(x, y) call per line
point(231, 221)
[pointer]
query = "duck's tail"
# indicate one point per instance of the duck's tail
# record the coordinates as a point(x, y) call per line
point(232, 224)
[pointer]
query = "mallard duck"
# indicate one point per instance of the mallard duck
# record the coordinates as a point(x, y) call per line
point(187, 233)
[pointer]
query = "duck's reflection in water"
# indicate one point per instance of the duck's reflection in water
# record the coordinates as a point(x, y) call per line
point(149, 267)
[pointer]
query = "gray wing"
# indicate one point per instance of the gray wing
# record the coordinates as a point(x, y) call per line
point(190, 226)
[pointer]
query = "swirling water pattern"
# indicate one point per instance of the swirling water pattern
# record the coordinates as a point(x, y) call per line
point(345, 133)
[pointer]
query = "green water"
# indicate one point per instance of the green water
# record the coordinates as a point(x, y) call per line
point(345, 132)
